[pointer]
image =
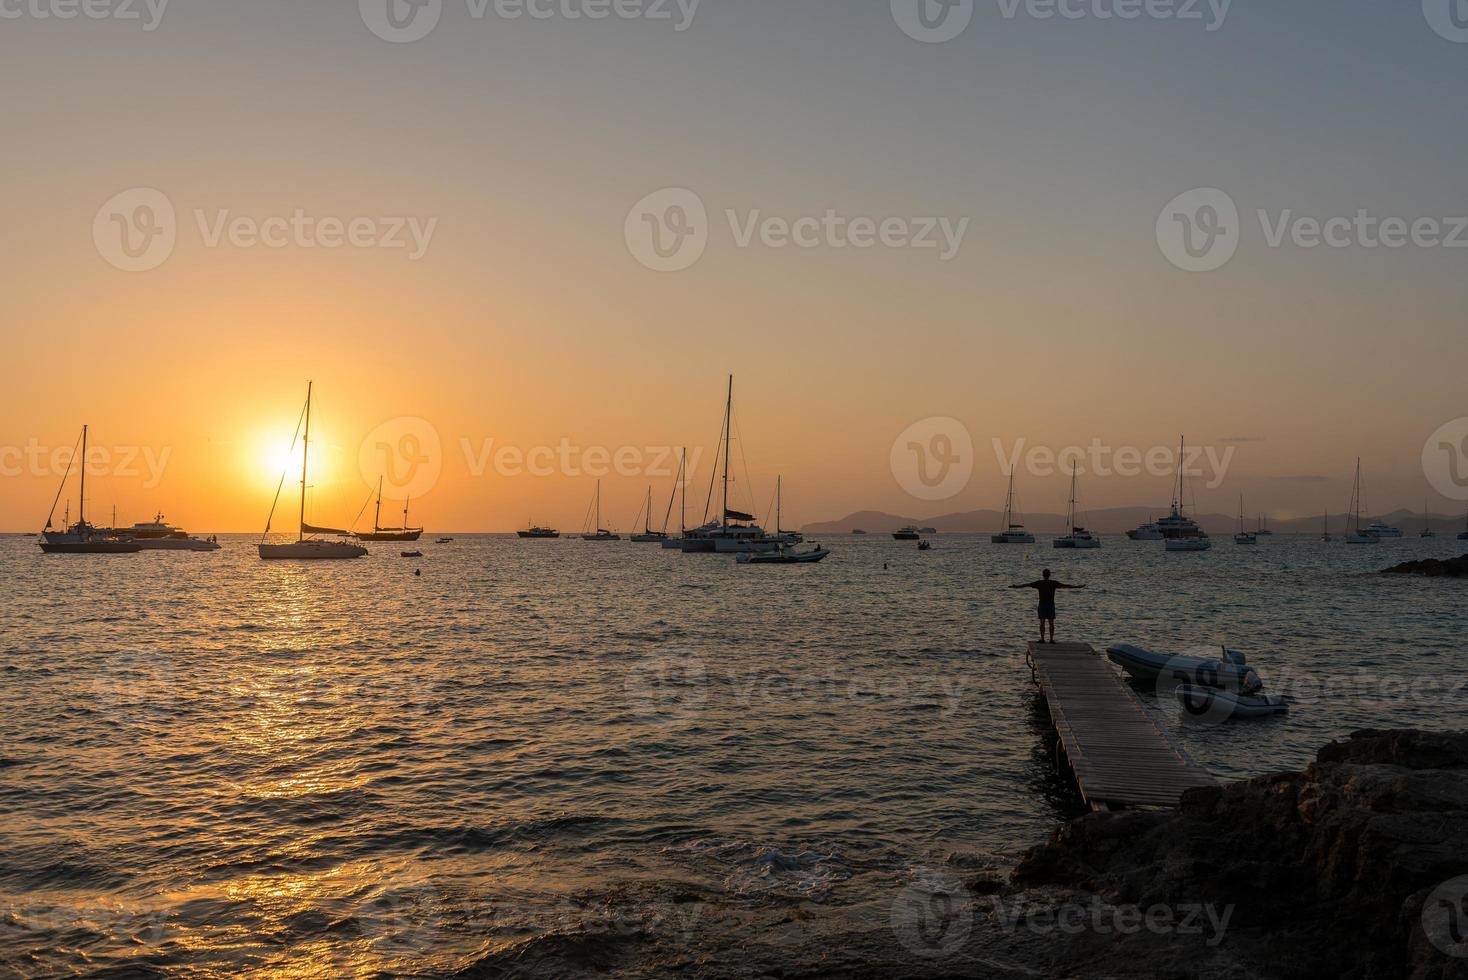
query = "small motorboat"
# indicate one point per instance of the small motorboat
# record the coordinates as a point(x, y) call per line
point(443, 540)
point(785, 556)
point(1214, 703)
point(1229, 672)
point(411, 554)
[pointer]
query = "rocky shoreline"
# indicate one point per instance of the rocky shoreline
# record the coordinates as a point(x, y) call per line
point(1356, 867)
point(1433, 567)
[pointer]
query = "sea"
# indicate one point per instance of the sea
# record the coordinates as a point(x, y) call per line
point(563, 758)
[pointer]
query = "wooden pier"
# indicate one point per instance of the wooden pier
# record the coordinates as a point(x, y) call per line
point(1119, 755)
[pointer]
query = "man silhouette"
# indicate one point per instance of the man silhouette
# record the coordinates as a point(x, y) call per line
point(1047, 587)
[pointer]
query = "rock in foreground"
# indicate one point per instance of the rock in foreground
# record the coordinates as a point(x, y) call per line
point(1434, 567)
point(1327, 871)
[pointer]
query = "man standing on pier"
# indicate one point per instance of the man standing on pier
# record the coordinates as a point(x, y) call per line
point(1047, 587)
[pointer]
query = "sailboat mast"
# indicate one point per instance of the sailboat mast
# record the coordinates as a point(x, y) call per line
point(728, 425)
point(1071, 518)
point(598, 506)
point(683, 495)
point(305, 456)
point(779, 527)
point(81, 503)
point(647, 518)
point(377, 514)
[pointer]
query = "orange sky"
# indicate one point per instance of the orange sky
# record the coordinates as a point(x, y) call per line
point(529, 321)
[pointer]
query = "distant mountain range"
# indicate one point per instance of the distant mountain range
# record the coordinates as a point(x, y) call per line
point(1114, 521)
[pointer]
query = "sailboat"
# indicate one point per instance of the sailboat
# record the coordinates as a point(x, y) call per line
point(1244, 537)
point(1078, 537)
point(735, 531)
point(1182, 533)
point(380, 533)
point(1014, 531)
point(1463, 534)
point(647, 534)
point(307, 547)
point(602, 534)
point(1355, 534)
point(1426, 532)
point(1325, 527)
point(680, 488)
point(1263, 529)
point(782, 535)
point(81, 538)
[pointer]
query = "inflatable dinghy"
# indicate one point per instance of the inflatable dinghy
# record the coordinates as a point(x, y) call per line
point(1212, 703)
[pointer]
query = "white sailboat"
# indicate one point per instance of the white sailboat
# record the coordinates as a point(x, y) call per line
point(602, 534)
point(1014, 531)
point(1356, 534)
point(1244, 537)
point(307, 548)
point(1078, 537)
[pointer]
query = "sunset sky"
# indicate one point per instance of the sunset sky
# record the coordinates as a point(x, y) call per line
point(529, 320)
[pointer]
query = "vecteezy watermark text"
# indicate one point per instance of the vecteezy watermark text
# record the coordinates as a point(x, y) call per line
point(936, 21)
point(1099, 459)
point(405, 21)
point(54, 462)
point(1201, 230)
point(137, 229)
point(668, 231)
point(567, 458)
point(149, 12)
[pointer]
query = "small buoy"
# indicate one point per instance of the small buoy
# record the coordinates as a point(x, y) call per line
point(884, 566)
point(418, 571)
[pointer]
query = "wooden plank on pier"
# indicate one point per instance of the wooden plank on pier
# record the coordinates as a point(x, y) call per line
point(1119, 754)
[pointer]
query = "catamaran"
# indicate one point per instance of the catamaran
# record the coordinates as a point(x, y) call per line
point(1244, 537)
point(1180, 532)
point(380, 533)
point(1078, 537)
point(908, 532)
point(1014, 530)
point(735, 531)
point(1357, 534)
point(307, 548)
point(81, 538)
point(602, 534)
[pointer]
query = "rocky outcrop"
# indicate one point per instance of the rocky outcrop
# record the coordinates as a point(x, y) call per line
point(1327, 872)
point(1434, 567)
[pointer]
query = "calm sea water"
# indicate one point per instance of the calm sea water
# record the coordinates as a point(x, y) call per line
point(561, 757)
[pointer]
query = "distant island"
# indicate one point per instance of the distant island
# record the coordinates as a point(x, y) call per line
point(1117, 520)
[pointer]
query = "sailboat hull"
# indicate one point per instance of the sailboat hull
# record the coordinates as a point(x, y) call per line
point(412, 534)
point(311, 550)
point(90, 547)
point(649, 537)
